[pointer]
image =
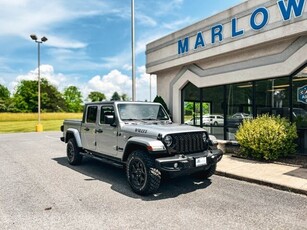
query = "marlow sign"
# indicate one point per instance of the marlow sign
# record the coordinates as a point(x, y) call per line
point(258, 20)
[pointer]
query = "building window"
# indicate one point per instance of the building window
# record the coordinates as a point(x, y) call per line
point(191, 105)
point(272, 97)
point(213, 110)
point(299, 98)
point(239, 106)
point(299, 109)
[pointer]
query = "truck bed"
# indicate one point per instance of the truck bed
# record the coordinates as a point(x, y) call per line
point(75, 124)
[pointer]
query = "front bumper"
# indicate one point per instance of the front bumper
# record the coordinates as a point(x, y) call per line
point(186, 164)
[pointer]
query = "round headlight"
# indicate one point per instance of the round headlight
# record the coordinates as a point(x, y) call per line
point(168, 140)
point(205, 137)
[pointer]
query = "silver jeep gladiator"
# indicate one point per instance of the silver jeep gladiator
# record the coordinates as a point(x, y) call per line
point(141, 137)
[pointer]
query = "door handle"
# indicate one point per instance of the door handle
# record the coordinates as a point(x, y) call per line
point(87, 129)
point(98, 131)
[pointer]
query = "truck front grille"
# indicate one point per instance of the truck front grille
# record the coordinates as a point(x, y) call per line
point(186, 143)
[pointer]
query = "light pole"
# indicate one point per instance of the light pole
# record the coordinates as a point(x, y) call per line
point(150, 88)
point(39, 126)
point(133, 54)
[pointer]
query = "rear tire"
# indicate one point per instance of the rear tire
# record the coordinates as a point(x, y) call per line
point(73, 152)
point(142, 175)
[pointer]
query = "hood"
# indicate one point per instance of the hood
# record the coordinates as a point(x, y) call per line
point(153, 129)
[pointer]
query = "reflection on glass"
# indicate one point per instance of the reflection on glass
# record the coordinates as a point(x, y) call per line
point(299, 99)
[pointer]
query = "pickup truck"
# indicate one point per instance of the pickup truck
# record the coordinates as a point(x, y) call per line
point(140, 137)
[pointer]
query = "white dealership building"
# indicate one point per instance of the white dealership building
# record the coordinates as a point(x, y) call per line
point(248, 60)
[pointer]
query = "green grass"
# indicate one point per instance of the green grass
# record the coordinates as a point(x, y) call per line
point(26, 122)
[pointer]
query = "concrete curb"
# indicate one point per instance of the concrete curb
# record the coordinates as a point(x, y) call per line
point(261, 182)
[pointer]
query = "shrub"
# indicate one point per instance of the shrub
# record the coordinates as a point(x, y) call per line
point(267, 137)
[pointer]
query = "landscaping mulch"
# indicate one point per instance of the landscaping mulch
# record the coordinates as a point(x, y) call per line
point(298, 160)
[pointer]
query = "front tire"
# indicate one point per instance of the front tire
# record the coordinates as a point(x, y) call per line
point(73, 152)
point(142, 175)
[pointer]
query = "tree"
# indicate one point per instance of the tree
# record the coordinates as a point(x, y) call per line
point(73, 98)
point(115, 97)
point(160, 100)
point(25, 98)
point(124, 97)
point(4, 93)
point(96, 96)
point(4, 98)
point(51, 99)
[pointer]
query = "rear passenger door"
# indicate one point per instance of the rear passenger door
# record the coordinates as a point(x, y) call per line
point(88, 128)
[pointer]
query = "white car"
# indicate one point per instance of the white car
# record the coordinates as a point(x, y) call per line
point(213, 119)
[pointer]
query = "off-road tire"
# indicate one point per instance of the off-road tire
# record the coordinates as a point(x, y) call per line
point(73, 152)
point(142, 176)
point(205, 174)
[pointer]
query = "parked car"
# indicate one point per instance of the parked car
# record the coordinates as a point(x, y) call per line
point(213, 119)
point(236, 119)
point(242, 115)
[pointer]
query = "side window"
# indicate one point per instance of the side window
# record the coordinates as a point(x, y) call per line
point(91, 114)
point(106, 114)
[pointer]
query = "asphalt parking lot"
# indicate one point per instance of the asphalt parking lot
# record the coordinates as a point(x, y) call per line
point(39, 190)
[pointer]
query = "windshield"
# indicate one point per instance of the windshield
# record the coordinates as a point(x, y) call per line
point(142, 112)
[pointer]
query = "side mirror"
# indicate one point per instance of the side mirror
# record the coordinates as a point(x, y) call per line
point(109, 119)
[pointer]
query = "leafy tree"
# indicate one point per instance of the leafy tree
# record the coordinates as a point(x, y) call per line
point(124, 97)
point(25, 98)
point(96, 96)
point(51, 99)
point(4, 98)
point(115, 97)
point(73, 98)
point(4, 93)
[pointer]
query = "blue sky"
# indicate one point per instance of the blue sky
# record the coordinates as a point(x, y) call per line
point(89, 42)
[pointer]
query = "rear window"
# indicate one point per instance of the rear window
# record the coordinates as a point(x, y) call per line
point(91, 114)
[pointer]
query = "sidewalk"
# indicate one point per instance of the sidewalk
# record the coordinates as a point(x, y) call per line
point(284, 177)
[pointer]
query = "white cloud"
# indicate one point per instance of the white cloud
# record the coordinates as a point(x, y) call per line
point(24, 17)
point(47, 72)
point(114, 81)
point(169, 6)
point(175, 25)
point(145, 20)
point(66, 43)
point(145, 85)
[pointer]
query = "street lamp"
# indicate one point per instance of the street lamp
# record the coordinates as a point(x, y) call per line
point(39, 126)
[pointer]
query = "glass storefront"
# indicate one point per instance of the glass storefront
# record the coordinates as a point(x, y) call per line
point(221, 109)
point(299, 107)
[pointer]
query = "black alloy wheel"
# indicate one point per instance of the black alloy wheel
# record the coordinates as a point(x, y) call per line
point(73, 152)
point(142, 175)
